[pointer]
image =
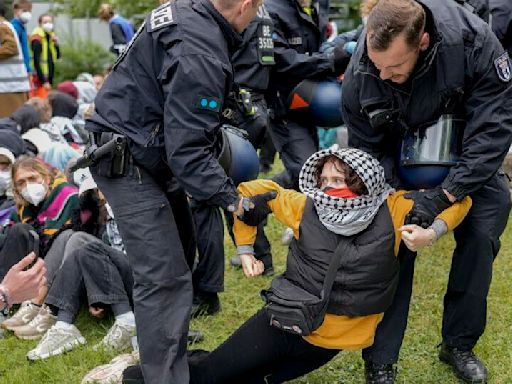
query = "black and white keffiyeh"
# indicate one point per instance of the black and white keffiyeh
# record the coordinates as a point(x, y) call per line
point(346, 216)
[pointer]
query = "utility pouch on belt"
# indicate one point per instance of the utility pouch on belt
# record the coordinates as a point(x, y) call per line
point(295, 310)
point(109, 152)
point(115, 161)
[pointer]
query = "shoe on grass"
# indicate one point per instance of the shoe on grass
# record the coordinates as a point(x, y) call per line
point(111, 373)
point(23, 316)
point(119, 337)
point(56, 341)
point(38, 326)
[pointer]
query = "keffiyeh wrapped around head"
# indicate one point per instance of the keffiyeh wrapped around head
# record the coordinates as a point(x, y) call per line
point(346, 216)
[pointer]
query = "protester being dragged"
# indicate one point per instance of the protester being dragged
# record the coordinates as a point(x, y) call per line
point(347, 221)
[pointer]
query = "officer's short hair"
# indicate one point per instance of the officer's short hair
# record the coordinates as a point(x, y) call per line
point(391, 18)
point(17, 4)
point(228, 4)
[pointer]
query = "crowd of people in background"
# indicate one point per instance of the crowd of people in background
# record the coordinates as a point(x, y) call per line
point(50, 211)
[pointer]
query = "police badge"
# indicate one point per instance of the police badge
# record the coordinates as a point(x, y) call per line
point(502, 65)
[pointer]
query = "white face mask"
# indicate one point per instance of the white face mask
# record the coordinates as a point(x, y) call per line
point(48, 27)
point(34, 193)
point(5, 182)
point(25, 17)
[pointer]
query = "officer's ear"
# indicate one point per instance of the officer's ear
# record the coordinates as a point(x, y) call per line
point(424, 41)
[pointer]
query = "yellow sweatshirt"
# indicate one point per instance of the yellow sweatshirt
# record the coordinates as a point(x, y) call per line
point(336, 332)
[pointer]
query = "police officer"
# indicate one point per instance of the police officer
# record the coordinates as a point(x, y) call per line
point(501, 11)
point(246, 109)
point(419, 60)
point(299, 29)
point(165, 96)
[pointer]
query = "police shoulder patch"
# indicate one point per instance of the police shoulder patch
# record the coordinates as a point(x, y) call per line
point(161, 17)
point(503, 67)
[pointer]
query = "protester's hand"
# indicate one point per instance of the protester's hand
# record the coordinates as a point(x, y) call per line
point(258, 209)
point(55, 40)
point(47, 86)
point(97, 312)
point(251, 266)
point(427, 205)
point(416, 237)
point(22, 285)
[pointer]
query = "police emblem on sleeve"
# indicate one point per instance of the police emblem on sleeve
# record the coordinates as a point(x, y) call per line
point(160, 17)
point(502, 65)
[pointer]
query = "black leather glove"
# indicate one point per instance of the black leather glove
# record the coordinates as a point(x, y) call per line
point(427, 205)
point(259, 209)
point(340, 58)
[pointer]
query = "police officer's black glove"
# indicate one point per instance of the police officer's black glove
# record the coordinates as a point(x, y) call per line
point(427, 205)
point(340, 58)
point(259, 209)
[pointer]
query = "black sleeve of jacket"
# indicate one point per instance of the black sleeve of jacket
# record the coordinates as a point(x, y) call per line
point(488, 131)
point(294, 65)
point(37, 49)
point(190, 130)
point(361, 134)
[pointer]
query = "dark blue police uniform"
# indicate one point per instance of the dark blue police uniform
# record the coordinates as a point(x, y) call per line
point(297, 39)
point(501, 11)
point(165, 94)
point(465, 72)
point(252, 63)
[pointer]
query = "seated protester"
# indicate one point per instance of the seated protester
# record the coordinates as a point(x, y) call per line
point(6, 199)
point(37, 142)
point(61, 128)
point(102, 274)
point(44, 203)
point(59, 155)
point(345, 210)
point(23, 119)
point(13, 142)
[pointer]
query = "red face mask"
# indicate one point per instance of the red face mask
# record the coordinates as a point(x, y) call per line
point(344, 193)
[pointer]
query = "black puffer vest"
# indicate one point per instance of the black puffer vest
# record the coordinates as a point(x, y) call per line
point(366, 281)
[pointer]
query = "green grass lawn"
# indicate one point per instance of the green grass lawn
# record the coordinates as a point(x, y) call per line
point(418, 363)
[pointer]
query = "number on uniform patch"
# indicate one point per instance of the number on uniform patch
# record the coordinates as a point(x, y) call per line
point(161, 17)
point(502, 65)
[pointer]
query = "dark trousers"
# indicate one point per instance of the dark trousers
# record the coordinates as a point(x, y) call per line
point(97, 271)
point(147, 218)
point(18, 244)
point(258, 353)
point(295, 143)
point(465, 301)
point(267, 151)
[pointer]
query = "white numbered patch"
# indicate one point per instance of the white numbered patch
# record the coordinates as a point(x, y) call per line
point(502, 65)
point(161, 17)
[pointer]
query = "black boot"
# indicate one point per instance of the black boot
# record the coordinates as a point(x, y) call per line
point(379, 373)
point(466, 365)
point(205, 304)
point(133, 375)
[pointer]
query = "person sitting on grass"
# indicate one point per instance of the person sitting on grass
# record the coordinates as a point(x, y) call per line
point(345, 204)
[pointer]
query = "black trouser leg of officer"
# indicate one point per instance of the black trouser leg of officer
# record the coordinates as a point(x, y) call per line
point(465, 303)
point(295, 143)
point(162, 291)
point(208, 276)
point(267, 153)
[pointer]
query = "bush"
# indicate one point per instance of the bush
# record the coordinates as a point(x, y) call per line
point(81, 56)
